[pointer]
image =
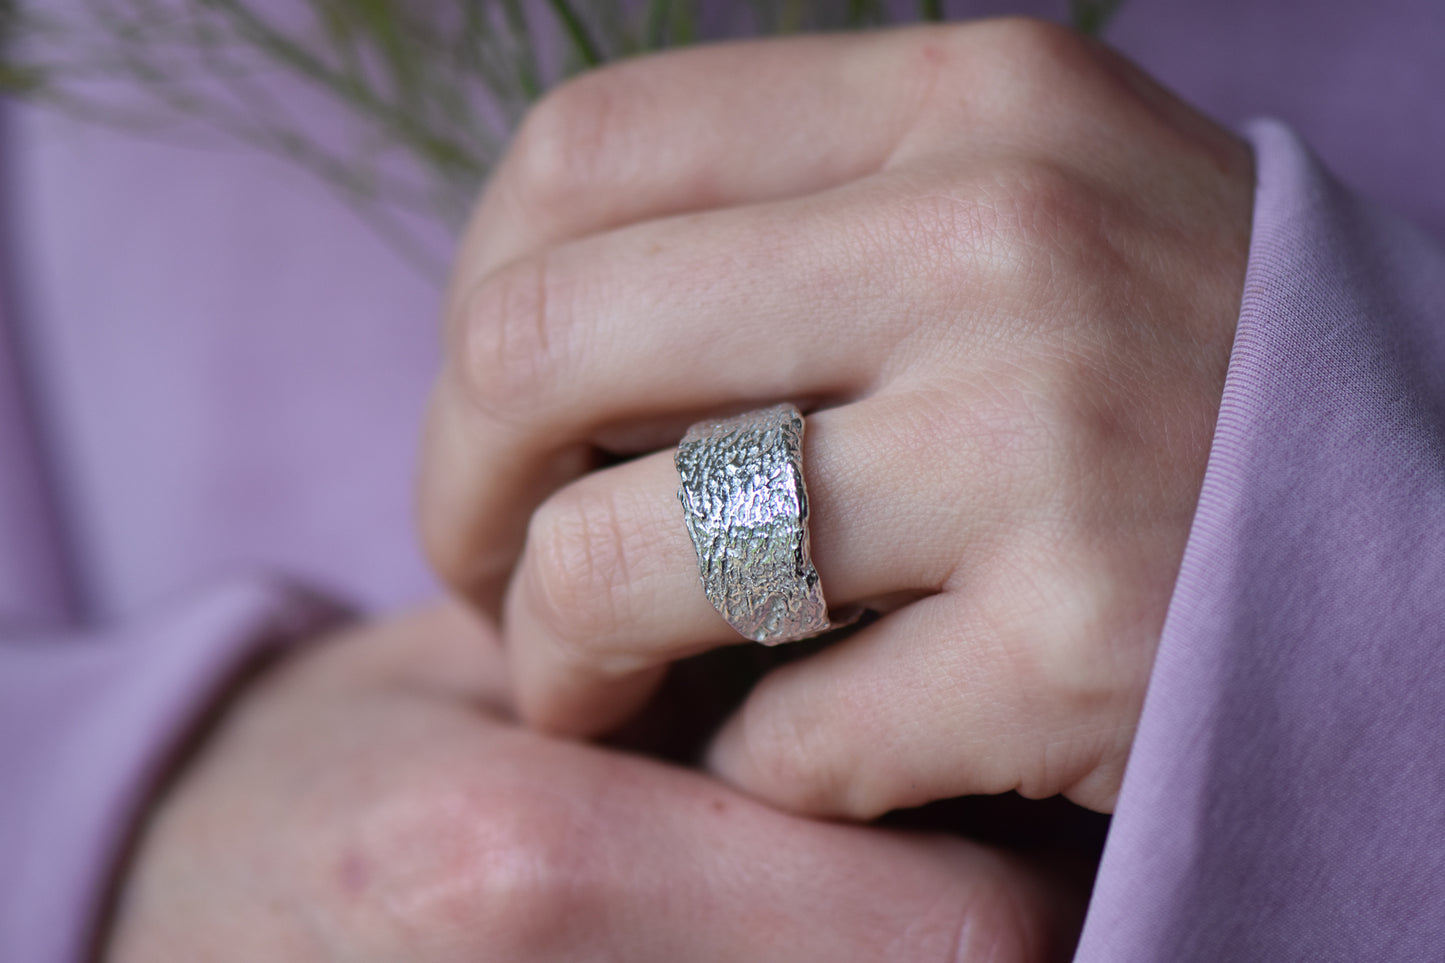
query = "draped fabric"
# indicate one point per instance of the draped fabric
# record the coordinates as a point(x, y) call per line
point(1285, 797)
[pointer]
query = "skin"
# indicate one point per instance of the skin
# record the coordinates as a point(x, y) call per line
point(999, 266)
point(374, 799)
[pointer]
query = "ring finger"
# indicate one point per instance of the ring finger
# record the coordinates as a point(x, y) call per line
point(608, 593)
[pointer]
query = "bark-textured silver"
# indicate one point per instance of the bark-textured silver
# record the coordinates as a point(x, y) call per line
point(746, 508)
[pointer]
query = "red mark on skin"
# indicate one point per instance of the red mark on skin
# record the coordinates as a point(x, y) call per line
point(354, 875)
point(719, 806)
point(934, 54)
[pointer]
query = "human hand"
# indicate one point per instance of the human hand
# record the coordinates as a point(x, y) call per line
point(369, 800)
point(1000, 264)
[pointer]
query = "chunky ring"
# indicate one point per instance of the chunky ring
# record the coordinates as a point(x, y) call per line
point(746, 508)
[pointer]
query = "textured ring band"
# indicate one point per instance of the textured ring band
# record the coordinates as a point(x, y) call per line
point(746, 508)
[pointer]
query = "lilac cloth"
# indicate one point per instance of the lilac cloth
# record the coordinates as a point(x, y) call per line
point(33, 586)
point(109, 712)
point(1285, 797)
point(223, 374)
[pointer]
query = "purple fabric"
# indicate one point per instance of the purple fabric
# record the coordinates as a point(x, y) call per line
point(1285, 797)
point(86, 727)
point(34, 589)
point(224, 371)
point(230, 365)
point(1359, 81)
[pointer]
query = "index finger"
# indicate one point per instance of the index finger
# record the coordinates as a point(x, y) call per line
point(669, 134)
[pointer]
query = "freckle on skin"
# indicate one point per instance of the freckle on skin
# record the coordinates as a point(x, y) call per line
point(354, 875)
point(719, 805)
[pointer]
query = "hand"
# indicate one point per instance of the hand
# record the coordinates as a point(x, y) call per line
point(1001, 266)
point(369, 801)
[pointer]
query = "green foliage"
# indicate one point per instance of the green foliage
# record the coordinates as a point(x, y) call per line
point(1092, 16)
point(429, 91)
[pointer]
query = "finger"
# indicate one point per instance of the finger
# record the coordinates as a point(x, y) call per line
point(446, 648)
point(666, 865)
point(660, 135)
point(635, 328)
point(632, 328)
point(833, 110)
point(607, 590)
point(933, 701)
point(443, 648)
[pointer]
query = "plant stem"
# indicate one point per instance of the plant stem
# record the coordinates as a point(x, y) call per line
point(859, 13)
point(1092, 16)
point(659, 12)
point(437, 149)
point(528, 76)
point(576, 30)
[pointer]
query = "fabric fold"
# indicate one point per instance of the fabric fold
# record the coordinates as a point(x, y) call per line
point(34, 588)
point(1284, 797)
point(86, 730)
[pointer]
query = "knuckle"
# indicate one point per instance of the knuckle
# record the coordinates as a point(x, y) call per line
point(567, 141)
point(576, 570)
point(1041, 220)
point(513, 338)
point(1026, 227)
point(468, 863)
point(1041, 56)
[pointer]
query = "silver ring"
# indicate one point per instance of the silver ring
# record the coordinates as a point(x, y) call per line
point(746, 508)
